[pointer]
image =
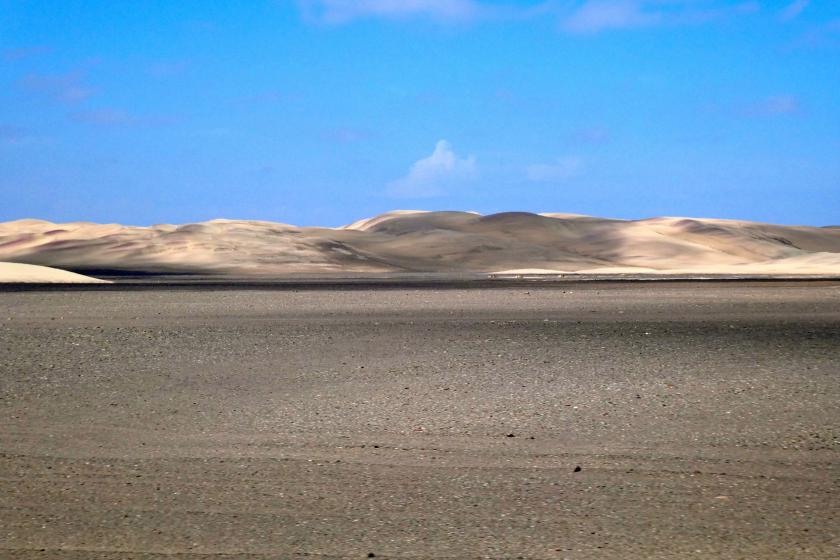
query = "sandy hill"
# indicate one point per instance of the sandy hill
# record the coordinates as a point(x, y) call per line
point(16, 273)
point(430, 241)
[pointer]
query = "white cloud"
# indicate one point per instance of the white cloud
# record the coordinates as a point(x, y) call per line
point(792, 10)
point(343, 11)
point(559, 170)
point(434, 175)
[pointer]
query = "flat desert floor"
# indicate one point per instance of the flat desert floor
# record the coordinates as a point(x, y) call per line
point(573, 420)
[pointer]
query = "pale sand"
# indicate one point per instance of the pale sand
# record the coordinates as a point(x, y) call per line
point(417, 241)
point(28, 273)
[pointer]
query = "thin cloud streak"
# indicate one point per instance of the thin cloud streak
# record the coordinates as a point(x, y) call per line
point(592, 135)
point(13, 135)
point(580, 17)
point(344, 11)
point(596, 16)
point(105, 117)
point(774, 106)
point(64, 88)
point(794, 10)
point(110, 117)
point(13, 55)
point(167, 69)
point(560, 169)
point(345, 135)
point(601, 15)
point(821, 36)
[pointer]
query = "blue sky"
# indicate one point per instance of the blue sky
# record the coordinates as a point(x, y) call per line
point(319, 112)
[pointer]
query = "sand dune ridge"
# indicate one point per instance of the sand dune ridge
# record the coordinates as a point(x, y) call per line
point(401, 241)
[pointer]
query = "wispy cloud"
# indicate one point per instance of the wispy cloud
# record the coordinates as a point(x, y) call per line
point(793, 10)
point(110, 117)
point(13, 135)
point(435, 174)
point(824, 35)
point(600, 15)
point(105, 117)
point(167, 68)
point(343, 11)
point(773, 106)
point(766, 107)
point(576, 16)
point(268, 97)
point(65, 88)
point(345, 135)
point(592, 135)
point(13, 55)
point(202, 25)
point(595, 16)
point(558, 170)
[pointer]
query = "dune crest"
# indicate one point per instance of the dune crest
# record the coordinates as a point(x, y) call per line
point(420, 241)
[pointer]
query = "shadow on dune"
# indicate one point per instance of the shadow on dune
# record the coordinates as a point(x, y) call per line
point(414, 241)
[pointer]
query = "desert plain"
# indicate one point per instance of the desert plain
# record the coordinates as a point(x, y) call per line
point(538, 420)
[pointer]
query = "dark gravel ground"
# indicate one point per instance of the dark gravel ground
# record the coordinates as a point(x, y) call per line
point(652, 420)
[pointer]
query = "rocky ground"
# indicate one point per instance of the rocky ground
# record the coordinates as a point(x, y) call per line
point(576, 420)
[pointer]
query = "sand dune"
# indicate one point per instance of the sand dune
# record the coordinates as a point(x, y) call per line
point(413, 241)
point(27, 273)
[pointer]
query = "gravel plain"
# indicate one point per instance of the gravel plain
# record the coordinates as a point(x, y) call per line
point(571, 420)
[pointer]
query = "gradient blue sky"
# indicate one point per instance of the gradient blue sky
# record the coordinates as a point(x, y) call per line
point(319, 112)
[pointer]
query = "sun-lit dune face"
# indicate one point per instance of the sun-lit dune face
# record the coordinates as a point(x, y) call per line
point(28, 273)
point(415, 222)
point(367, 223)
point(409, 240)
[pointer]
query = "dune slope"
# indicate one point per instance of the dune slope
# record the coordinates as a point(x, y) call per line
point(16, 273)
point(404, 241)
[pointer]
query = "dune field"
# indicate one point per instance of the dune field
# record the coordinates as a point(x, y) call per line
point(415, 241)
